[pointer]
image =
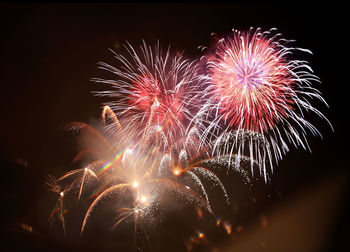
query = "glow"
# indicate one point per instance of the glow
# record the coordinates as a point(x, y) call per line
point(143, 199)
point(61, 194)
point(228, 228)
point(176, 171)
point(158, 128)
point(135, 184)
point(126, 153)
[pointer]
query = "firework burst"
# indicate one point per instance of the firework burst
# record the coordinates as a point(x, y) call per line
point(258, 95)
point(136, 176)
point(155, 94)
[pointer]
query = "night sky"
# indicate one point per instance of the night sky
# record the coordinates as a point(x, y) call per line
point(49, 53)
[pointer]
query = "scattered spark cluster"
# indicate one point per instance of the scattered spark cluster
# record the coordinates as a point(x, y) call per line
point(170, 128)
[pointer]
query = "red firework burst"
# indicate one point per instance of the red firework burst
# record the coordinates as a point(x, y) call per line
point(147, 91)
point(252, 81)
point(155, 95)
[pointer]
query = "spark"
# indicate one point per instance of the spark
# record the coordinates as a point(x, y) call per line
point(126, 153)
point(228, 228)
point(176, 171)
point(144, 199)
point(135, 184)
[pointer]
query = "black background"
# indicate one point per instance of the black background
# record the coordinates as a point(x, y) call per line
point(49, 54)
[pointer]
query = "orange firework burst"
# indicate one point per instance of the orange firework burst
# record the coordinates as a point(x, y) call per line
point(139, 176)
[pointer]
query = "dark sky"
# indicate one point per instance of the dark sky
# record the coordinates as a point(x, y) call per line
point(49, 54)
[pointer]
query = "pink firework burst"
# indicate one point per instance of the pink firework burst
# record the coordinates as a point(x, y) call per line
point(253, 81)
point(260, 93)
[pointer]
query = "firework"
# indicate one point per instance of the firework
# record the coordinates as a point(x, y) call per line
point(137, 175)
point(155, 93)
point(169, 129)
point(153, 143)
point(258, 95)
